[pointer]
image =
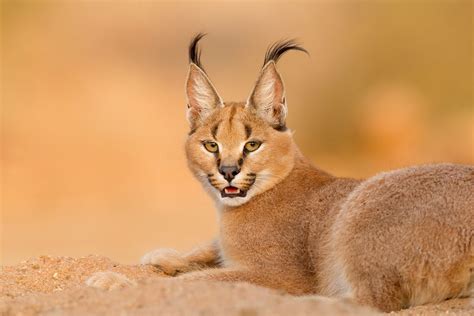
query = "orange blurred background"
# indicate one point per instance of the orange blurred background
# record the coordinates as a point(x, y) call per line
point(93, 107)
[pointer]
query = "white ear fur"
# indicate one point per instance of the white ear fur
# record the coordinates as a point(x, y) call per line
point(268, 96)
point(202, 97)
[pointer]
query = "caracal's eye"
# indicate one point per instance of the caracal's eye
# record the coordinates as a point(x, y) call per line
point(211, 147)
point(252, 146)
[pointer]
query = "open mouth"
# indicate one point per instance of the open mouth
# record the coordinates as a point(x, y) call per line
point(232, 192)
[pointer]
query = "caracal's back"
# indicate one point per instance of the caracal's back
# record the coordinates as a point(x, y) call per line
point(404, 238)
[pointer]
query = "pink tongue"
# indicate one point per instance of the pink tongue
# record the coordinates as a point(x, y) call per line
point(231, 190)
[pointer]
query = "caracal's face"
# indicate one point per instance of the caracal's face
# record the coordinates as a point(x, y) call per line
point(239, 150)
point(237, 155)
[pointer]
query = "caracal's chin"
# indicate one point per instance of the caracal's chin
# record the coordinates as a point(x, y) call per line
point(234, 201)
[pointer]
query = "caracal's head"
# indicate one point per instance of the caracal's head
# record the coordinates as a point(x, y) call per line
point(239, 149)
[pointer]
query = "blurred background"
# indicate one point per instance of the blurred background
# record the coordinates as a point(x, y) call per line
point(93, 107)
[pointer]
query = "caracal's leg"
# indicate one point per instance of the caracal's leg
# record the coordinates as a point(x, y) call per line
point(172, 262)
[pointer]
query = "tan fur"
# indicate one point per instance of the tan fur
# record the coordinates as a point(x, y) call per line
point(398, 239)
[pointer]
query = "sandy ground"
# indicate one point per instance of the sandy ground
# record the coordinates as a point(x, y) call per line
point(56, 286)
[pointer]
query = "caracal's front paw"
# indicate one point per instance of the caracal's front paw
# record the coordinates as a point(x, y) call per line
point(167, 260)
point(109, 280)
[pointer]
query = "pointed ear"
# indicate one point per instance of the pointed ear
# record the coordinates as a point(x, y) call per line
point(202, 96)
point(268, 97)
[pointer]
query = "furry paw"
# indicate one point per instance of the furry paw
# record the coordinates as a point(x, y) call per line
point(109, 281)
point(169, 261)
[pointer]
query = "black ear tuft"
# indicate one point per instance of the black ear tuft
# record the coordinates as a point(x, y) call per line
point(277, 49)
point(194, 51)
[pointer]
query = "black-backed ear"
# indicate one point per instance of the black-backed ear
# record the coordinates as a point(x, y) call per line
point(202, 97)
point(268, 97)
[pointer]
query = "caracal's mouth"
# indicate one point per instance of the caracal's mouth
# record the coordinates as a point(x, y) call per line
point(232, 192)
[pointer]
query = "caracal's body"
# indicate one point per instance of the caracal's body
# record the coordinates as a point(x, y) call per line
point(398, 239)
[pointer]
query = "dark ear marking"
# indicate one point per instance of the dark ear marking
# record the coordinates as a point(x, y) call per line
point(277, 49)
point(195, 51)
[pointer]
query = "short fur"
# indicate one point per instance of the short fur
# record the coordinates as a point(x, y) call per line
point(398, 239)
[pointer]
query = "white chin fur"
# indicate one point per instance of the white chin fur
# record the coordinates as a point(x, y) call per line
point(236, 201)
